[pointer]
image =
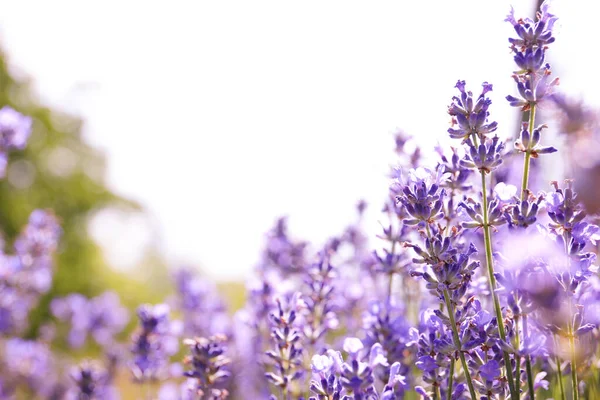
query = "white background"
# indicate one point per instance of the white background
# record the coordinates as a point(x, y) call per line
point(220, 116)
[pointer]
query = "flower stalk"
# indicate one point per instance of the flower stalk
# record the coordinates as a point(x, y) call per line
point(528, 369)
point(458, 345)
point(492, 284)
point(527, 162)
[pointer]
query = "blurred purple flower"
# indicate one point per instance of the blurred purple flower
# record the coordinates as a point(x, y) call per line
point(28, 364)
point(15, 129)
point(204, 311)
point(153, 343)
point(101, 317)
point(91, 382)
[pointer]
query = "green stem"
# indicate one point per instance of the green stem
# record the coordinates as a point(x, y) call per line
point(573, 361)
point(570, 332)
point(450, 380)
point(436, 392)
point(492, 283)
point(559, 372)
point(573, 368)
point(530, 380)
point(518, 357)
point(458, 345)
point(561, 385)
point(525, 180)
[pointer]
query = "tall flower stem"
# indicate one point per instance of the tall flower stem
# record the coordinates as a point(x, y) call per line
point(457, 344)
point(573, 367)
point(570, 331)
point(525, 180)
point(559, 372)
point(524, 184)
point(492, 283)
point(530, 380)
point(574, 381)
point(436, 392)
point(517, 356)
point(450, 380)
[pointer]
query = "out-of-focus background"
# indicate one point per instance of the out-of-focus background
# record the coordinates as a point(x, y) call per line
point(170, 133)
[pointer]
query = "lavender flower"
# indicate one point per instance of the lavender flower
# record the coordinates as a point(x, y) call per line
point(283, 253)
point(208, 366)
point(101, 317)
point(204, 311)
point(490, 385)
point(356, 374)
point(27, 364)
point(15, 129)
point(153, 342)
point(469, 114)
point(34, 249)
point(533, 78)
point(532, 34)
point(286, 357)
point(27, 274)
point(385, 324)
point(326, 382)
point(319, 313)
point(91, 382)
point(486, 157)
point(421, 195)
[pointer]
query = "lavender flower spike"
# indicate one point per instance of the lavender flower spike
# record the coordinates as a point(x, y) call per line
point(470, 115)
point(15, 129)
point(208, 366)
point(153, 342)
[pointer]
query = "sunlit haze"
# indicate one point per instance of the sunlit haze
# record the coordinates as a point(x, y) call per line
point(220, 116)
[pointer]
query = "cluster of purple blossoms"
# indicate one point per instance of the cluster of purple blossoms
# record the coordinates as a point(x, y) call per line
point(204, 313)
point(26, 274)
point(355, 378)
point(91, 380)
point(15, 129)
point(154, 341)
point(26, 363)
point(208, 367)
point(101, 317)
point(533, 77)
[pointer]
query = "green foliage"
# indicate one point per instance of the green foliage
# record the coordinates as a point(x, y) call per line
point(59, 171)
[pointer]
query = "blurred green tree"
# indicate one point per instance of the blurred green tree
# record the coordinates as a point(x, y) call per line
point(59, 171)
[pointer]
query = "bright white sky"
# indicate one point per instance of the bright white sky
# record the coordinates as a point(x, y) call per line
point(220, 116)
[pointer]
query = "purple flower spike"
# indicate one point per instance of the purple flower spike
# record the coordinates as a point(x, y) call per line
point(101, 317)
point(15, 129)
point(91, 381)
point(533, 34)
point(153, 343)
point(486, 157)
point(470, 115)
point(208, 366)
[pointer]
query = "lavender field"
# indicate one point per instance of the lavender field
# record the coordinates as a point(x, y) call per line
point(482, 282)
